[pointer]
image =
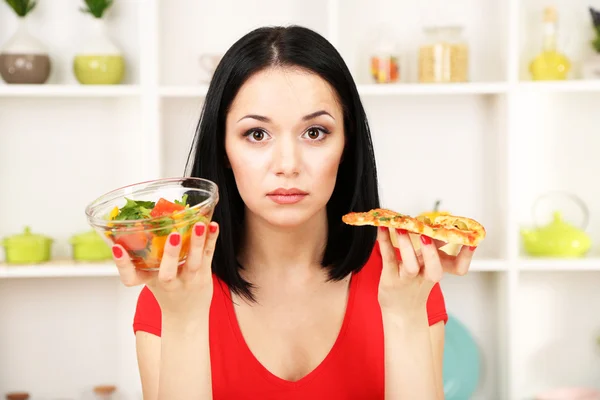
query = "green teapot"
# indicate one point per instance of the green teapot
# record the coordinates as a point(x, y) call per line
point(557, 239)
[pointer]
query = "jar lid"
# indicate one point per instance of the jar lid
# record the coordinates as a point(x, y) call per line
point(17, 396)
point(105, 389)
point(26, 237)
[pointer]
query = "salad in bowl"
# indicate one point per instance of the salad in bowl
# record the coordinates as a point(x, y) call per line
point(141, 216)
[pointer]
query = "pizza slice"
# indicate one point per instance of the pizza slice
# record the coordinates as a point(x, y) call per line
point(448, 228)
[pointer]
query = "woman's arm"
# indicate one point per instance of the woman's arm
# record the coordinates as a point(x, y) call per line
point(177, 364)
point(148, 357)
point(437, 333)
point(185, 359)
point(411, 364)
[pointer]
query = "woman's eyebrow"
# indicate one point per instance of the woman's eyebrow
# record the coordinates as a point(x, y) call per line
point(264, 119)
point(316, 114)
point(257, 117)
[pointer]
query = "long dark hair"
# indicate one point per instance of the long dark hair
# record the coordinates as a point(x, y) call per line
point(348, 248)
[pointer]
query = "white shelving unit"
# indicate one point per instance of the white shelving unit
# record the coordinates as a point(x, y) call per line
point(488, 148)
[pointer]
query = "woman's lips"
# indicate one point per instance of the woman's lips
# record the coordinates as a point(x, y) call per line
point(287, 196)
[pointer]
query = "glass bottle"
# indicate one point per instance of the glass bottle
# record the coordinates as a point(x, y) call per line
point(550, 63)
point(444, 57)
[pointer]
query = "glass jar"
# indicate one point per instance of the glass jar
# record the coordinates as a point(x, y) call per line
point(444, 57)
point(384, 63)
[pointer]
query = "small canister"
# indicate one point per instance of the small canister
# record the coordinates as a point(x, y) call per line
point(444, 57)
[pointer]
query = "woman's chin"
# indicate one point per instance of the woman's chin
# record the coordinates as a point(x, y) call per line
point(289, 219)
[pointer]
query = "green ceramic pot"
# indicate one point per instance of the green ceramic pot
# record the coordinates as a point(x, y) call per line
point(89, 246)
point(27, 248)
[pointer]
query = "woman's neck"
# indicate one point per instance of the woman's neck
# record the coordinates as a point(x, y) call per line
point(270, 252)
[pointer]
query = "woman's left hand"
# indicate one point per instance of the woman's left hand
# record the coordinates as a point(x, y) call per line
point(405, 283)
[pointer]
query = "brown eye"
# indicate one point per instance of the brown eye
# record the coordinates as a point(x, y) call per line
point(258, 135)
point(316, 134)
point(313, 133)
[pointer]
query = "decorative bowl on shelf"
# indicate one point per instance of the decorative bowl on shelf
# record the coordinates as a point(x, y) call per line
point(558, 238)
point(140, 217)
point(89, 246)
point(27, 248)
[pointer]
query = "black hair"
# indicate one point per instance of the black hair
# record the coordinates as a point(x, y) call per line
point(348, 248)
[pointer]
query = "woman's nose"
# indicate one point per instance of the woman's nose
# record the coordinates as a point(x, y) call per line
point(286, 157)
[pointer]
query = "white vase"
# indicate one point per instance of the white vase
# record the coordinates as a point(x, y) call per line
point(100, 61)
point(24, 59)
point(591, 67)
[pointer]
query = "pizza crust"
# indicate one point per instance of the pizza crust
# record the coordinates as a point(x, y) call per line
point(448, 228)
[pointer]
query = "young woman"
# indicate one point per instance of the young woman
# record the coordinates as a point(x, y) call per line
point(290, 303)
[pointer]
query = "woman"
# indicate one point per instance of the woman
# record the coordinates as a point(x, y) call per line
point(289, 302)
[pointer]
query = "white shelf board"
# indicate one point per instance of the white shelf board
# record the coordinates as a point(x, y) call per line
point(59, 269)
point(573, 86)
point(400, 89)
point(68, 268)
point(488, 265)
point(432, 88)
point(370, 89)
point(184, 90)
point(559, 264)
point(56, 90)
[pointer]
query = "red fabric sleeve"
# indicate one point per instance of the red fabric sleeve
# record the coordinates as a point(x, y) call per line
point(436, 306)
point(148, 316)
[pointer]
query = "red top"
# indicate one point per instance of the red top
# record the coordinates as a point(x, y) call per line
point(354, 367)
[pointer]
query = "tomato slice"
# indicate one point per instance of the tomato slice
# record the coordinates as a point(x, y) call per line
point(164, 207)
point(134, 241)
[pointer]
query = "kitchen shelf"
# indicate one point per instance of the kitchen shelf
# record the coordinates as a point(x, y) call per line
point(55, 90)
point(76, 269)
point(487, 148)
point(573, 86)
point(400, 89)
point(58, 269)
point(565, 265)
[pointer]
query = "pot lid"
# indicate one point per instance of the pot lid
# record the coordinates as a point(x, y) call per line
point(25, 237)
point(89, 237)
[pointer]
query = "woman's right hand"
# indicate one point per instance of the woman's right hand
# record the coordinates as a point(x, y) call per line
point(180, 292)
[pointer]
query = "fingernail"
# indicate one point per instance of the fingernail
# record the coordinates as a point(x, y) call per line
point(175, 238)
point(117, 252)
point(383, 228)
point(472, 248)
point(212, 228)
point(401, 231)
point(199, 230)
point(425, 239)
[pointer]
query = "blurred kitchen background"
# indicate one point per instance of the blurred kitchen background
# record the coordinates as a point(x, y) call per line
point(495, 100)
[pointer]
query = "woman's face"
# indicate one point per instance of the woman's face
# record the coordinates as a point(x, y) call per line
point(284, 142)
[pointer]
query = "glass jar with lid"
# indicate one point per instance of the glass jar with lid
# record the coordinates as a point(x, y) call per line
point(384, 63)
point(444, 57)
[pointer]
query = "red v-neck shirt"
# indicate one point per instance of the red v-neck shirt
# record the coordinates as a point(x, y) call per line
point(353, 369)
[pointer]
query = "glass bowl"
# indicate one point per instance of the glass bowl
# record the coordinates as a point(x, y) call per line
point(140, 217)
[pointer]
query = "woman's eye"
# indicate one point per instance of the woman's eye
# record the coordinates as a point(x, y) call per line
point(316, 133)
point(256, 135)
